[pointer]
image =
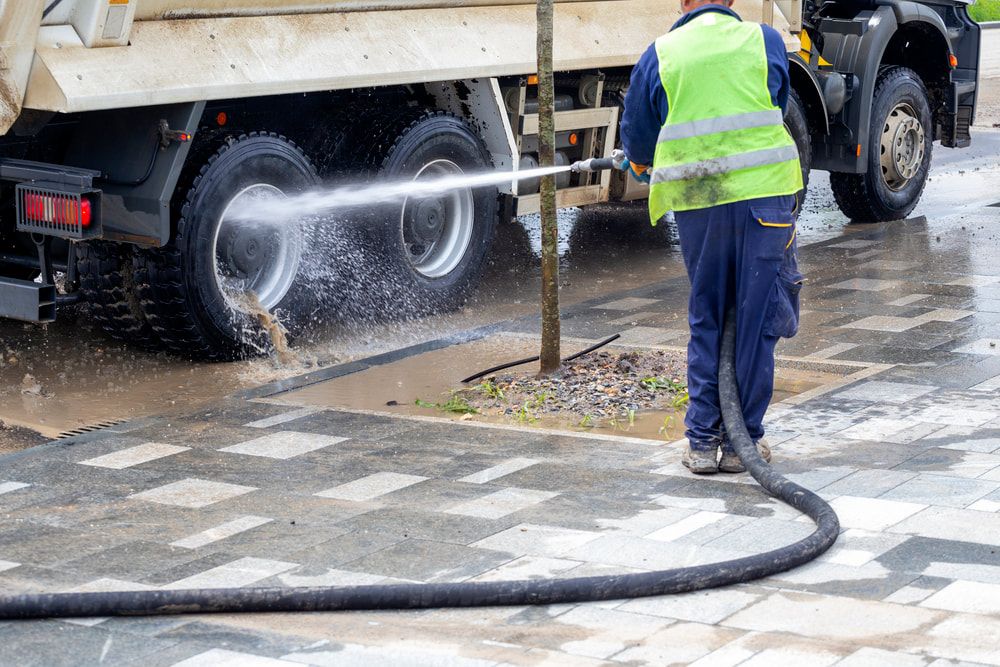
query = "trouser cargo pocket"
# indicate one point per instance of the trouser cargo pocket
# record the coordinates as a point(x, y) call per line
point(782, 318)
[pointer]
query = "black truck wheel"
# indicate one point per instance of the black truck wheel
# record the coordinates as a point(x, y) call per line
point(899, 157)
point(429, 251)
point(194, 290)
point(797, 125)
point(107, 285)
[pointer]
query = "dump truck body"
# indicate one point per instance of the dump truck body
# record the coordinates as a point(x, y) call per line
point(126, 109)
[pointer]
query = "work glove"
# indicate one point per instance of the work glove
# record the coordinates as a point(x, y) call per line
point(621, 162)
point(640, 172)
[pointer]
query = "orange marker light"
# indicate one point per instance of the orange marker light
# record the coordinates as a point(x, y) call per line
point(221, 118)
point(573, 139)
point(859, 150)
point(952, 60)
point(532, 79)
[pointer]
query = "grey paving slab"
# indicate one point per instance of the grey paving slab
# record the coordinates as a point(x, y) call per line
point(44, 643)
point(941, 491)
point(424, 560)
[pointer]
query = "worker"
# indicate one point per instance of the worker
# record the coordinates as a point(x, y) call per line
point(703, 124)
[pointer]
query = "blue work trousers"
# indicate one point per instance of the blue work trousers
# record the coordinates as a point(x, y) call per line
point(744, 254)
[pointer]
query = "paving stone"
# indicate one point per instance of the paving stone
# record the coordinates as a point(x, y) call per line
point(283, 417)
point(873, 513)
point(499, 470)
point(868, 483)
point(611, 630)
point(701, 607)
point(878, 391)
point(966, 596)
point(373, 486)
point(193, 493)
point(531, 540)
point(829, 617)
point(423, 560)
point(501, 503)
point(629, 303)
point(221, 532)
point(530, 567)
point(947, 523)
point(866, 284)
point(680, 643)
point(283, 444)
point(425, 525)
point(941, 490)
point(952, 463)
point(218, 657)
point(127, 458)
point(762, 535)
point(44, 643)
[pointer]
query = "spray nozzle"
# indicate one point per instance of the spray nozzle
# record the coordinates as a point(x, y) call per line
point(616, 161)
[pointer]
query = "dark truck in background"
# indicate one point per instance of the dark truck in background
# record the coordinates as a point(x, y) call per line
point(127, 130)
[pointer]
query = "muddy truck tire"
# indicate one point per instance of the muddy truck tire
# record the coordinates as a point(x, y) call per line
point(797, 124)
point(426, 255)
point(899, 156)
point(193, 290)
point(107, 286)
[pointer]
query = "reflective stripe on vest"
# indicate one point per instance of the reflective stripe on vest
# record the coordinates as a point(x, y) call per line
point(740, 121)
point(721, 165)
point(724, 140)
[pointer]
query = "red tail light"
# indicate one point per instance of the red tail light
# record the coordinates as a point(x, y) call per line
point(59, 210)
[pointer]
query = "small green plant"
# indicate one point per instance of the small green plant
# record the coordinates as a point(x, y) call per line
point(631, 416)
point(680, 400)
point(668, 421)
point(489, 388)
point(455, 404)
point(654, 384)
point(586, 422)
point(539, 398)
point(524, 416)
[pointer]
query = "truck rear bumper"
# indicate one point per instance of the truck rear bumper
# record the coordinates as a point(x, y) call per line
point(27, 301)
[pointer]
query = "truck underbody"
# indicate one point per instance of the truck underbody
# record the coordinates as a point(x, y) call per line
point(134, 137)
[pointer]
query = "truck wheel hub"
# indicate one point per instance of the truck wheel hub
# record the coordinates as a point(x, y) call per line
point(902, 146)
point(437, 231)
point(255, 255)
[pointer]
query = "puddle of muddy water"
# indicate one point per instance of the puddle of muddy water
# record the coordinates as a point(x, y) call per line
point(433, 376)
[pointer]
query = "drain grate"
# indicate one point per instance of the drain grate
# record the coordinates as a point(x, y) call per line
point(89, 428)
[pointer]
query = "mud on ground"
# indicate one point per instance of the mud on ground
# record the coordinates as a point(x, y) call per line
point(16, 438)
point(603, 387)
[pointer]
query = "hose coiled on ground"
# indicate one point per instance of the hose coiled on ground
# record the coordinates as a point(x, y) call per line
point(481, 594)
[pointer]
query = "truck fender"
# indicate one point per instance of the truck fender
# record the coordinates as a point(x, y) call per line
point(858, 46)
point(804, 83)
point(139, 174)
point(480, 102)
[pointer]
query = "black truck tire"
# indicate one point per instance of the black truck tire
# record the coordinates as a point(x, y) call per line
point(179, 287)
point(797, 124)
point(107, 285)
point(899, 156)
point(428, 254)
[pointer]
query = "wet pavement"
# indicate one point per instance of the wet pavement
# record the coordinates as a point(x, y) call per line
point(902, 435)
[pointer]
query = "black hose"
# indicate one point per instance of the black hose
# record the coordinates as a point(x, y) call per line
point(528, 360)
point(481, 594)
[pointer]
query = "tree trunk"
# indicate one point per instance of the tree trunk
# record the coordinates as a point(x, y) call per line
point(550, 355)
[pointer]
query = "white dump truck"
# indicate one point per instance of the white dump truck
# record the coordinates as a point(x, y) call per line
point(129, 128)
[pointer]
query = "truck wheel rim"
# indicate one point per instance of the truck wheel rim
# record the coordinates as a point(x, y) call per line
point(255, 255)
point(437, 230)
point(902, 146)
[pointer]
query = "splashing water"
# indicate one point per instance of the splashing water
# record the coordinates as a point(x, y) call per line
point(270, 324)
point(317, 202)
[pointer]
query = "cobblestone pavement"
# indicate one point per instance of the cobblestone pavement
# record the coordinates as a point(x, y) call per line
point(265, 491)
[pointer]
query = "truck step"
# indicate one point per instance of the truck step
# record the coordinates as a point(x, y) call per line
point(26, 300)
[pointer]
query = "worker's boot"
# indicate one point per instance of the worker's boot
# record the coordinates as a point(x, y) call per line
point(703, 460)
point(730, 462)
